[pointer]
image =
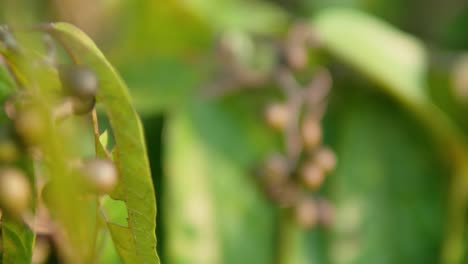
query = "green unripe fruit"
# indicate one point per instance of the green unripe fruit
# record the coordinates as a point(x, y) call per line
point(9, 151)
point(15, 193)
point(31, 126)
point(79, 81)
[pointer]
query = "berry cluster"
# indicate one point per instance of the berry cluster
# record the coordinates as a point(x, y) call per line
point(289, 178)
point(32, 115)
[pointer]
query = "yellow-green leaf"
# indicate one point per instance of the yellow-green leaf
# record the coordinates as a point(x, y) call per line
point(137, 242)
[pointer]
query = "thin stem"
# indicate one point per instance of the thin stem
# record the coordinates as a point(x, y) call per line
point(292, 90)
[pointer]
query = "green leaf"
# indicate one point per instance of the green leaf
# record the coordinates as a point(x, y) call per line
point(252, 16)
point(18, 242)
point(391, 57)
point(389, 190)
point(6, 83)
point(214, 209)
point(397, 62)
point(137, 242)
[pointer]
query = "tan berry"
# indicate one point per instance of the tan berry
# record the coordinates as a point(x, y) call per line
point(306, 213)
point(311, 133)
point(277, 115)
point(312, 175)
point(100, 175)
point(15, 193)
point(326, 159)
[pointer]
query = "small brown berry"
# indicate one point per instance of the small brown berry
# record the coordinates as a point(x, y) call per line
point(83, 106)
point(15, 193)
point(326, 159)
point(100, 175)
point(296, 46)
point(297, 56)
point(306, 213)
point(312, 176)
point(277, 115)
point(311, 133)
point(79, 81)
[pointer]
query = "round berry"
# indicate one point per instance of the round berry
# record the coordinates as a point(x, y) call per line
point(326, 159)
point(101, 175)
point(79, 81)
point(306, 213)
point(277, 115)
point(311, 133)
point(297, 56)
point(15, 193)
point(312, 176)
point(83, 106)
point(31, 126)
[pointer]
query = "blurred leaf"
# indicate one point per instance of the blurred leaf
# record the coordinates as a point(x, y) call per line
point(162, 83)
point(398, 63)
point(160, 50)
point(149, 29)
point(76, 217)
point(389, 187)
point(17, 239)
point(215, 212)
point(251, 16)
point(137, 242)
point(394, 59)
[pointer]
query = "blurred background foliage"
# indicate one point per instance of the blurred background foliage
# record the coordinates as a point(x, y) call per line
point(391, 186)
